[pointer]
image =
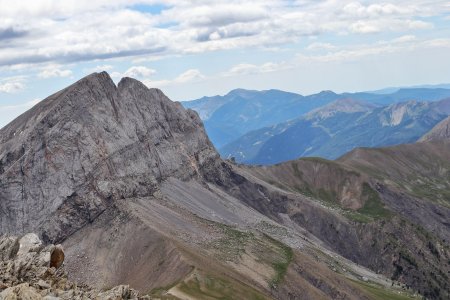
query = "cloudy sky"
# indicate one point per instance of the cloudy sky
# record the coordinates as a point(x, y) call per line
point(194, 48)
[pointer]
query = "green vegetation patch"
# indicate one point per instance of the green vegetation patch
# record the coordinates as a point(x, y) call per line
point(373, 207)
point(161, 291)
point(438, 192)
point(377, 292)
point(201, 286)
point(232, 244)
point(262, 247)
point(357, 217)
point(282, 263)
point(304, 189)
point(320, 160)
point(372, 210)
point(297, 171)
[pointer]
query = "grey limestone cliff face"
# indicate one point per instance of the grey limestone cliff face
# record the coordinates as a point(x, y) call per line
point(68, 158)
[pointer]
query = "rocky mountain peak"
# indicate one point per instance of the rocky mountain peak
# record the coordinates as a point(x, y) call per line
point(128, 82)
point(99, 77)
point(74, 153)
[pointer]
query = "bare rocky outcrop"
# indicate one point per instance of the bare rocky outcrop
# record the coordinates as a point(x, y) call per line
point(27, 271)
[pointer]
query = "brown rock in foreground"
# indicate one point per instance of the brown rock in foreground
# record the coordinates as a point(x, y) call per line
point(28, 274)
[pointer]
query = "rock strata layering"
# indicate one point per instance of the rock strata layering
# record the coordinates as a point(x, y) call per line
point(70, 157)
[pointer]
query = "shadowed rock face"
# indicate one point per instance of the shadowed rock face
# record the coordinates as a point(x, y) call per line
point(63, 162)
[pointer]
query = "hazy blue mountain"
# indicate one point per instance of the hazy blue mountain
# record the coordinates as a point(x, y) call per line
point(239, 112)
point(391, 90)
point(402, 95)
point(337, 128)
point(247, 147)
point(205, 106)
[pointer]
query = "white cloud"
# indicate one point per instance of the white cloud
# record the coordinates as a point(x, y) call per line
point(218, 14)
point(380, 25)
point(189, 76)
point(139, 72)
point(437, 43)
point(401, 44)
point(195, 76)
point(248, 69)
point(356, 9)
point(12, 85)
point(136, 72)
point(81, 30)
point(100, 68)
point(417, 24)
point(320, 46)
point(242, 69)
point(365, 27)
point(54, 71)
point(405, 39)
point(116, 75)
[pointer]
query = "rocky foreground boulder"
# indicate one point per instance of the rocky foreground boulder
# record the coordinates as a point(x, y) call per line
point(31, 270)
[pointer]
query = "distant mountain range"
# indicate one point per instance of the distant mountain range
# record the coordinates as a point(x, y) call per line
point(228, 117)
point(337, 128)
point(390, 90)
point(262, 127)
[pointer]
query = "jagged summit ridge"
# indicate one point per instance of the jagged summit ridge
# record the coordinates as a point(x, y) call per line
point(76, 151)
